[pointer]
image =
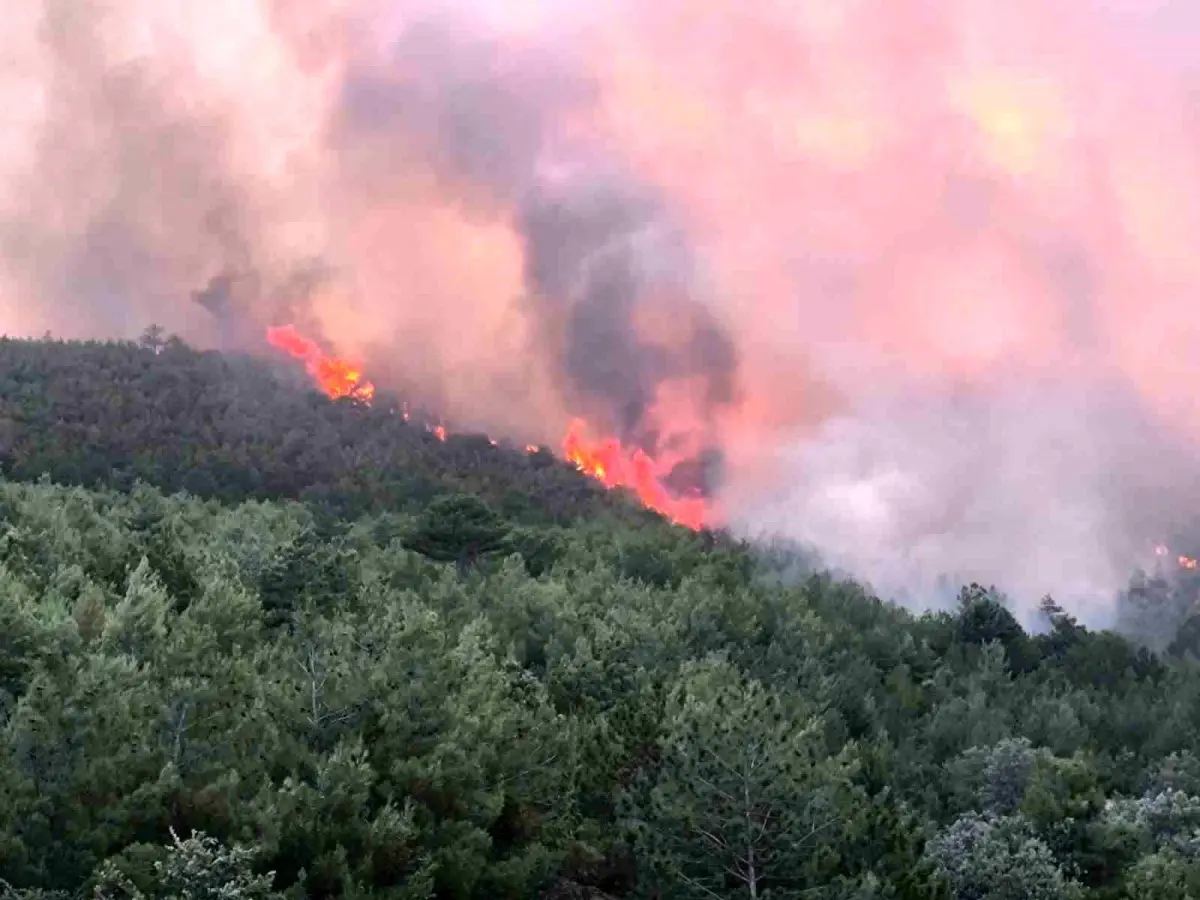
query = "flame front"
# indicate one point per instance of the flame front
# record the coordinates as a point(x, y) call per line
point(615, 465)
point(335, 377)
point(606, 460)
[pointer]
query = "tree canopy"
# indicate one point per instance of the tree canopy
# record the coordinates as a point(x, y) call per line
point(234, 665)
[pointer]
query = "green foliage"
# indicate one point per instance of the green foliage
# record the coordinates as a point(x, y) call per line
point(459, 529)
point(231, 428)
point(995, 778)
point(999, 859)
point(540, 548)
point(1163, 876)
point(983, 618)
point(199, 868)
point(283, 665)
point(742, 799)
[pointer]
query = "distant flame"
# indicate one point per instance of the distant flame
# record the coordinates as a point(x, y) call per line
point(336, 377)
point(1184, 562)
point(618, 466)
point(606, 460)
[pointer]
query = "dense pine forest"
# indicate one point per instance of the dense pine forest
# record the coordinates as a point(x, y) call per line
point(259, 644)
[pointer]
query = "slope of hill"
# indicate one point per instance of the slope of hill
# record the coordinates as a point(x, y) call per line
point(110, 414)
point(235, 696)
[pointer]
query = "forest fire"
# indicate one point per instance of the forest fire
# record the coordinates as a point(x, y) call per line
point(336, 377)
point(614, 465)
point(1184, 562)
point(606, 460)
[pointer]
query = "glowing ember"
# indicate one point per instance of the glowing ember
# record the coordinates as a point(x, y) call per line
point(1184, 562)
point(618, 466)
point(335, 377)
point(438, 431)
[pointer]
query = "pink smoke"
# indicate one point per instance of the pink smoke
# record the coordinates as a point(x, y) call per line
point(950, 241)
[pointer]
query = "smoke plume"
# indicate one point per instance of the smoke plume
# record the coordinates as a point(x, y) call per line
point(906, 280)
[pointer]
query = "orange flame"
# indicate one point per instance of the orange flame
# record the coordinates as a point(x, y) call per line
point(336, 377)
point(1184, 562)
point(606, 460)
point(617, 466)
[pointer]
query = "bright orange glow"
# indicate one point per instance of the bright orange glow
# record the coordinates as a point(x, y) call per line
point(335, 377)
point(438, 431)
point(615, 465)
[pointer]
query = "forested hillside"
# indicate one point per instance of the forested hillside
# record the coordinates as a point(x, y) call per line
point(354, 661)
point(110, 414)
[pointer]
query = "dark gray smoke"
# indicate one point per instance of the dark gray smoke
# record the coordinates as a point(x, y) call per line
point(482, 111)
point(601, 255)
point(598, 255)
point(242, 304)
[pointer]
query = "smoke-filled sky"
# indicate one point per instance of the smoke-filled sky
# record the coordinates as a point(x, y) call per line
point(920, 269)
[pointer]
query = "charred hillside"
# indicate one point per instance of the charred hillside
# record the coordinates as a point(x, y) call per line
point(234, 428)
